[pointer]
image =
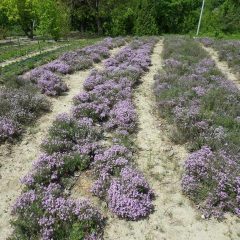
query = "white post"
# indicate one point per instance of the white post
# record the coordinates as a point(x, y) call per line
point(200, 18)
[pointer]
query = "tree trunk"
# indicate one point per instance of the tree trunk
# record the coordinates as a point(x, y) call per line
point(81, 28)
point(98, 21)
point(99, 29)
point(31, 34)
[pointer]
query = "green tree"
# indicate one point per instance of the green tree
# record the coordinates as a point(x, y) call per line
point(27, 16)
point(54, 18)
point(145, 23)
point(4, 22)
point(22, 12)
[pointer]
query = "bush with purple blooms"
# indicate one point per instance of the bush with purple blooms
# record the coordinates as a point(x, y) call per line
point(48, 77)
point(129, 196)
point(203, 106)
point(8, 129)
point(58, 66)
point(51, 84)
point(44, 213)
point(18, 108)
point(123, 116)
point(212, 179)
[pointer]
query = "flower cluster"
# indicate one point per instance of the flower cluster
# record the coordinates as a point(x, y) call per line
point(51, 216)
point(130, 196)
point(48, 77)
point(123, 116)
point(17, 108)
point(203, 105)
point(214, 178)
point(8, 129)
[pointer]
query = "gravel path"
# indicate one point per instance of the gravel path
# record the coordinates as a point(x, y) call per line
point(223, 66)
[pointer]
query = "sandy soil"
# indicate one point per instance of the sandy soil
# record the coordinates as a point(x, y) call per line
point(223, 66)
point(18, 59)
point(175, 217)
point(16, 160)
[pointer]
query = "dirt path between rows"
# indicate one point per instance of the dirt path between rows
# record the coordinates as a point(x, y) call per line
point(16, 160)
point(174, 218)
point(33, 54)
point(223, 66)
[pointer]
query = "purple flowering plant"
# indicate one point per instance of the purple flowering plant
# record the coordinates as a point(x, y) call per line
point(203, 105)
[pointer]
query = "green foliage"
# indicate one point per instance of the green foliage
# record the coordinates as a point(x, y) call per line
point(122, 24)
point(26, 227)
point(27, 16)
point(76, 232)
point(53, 19)
point(221, 17)
point(9, 74)
point(145, 21)
point(4, 23)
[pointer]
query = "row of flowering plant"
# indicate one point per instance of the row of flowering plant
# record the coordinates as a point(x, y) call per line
point(126, 191)
point(19, 107)
point(204, 108)
point(48, 77)
point(45, 210)
point(228, 50)
point(22, 106)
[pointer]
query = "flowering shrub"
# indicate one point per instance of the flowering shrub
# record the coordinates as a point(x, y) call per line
point(203, 105)
point(50, 216)
point(123, 116)
point(111, 160)
point(130, 196)
point(212, 180)
point(93, 110)
point(51, 83)
point(8, 129)
point(206, 41)
point(77, 60)
point(58, 66)
point(17, 108)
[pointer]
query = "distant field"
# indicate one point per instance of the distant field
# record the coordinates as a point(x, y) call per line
point(11, 50)
point(9, 73)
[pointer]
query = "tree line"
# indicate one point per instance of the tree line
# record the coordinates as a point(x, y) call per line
point(55, 18)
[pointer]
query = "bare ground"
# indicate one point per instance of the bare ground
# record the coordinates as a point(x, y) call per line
point(223, 66)
point(16, 160)
point(175, 217)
